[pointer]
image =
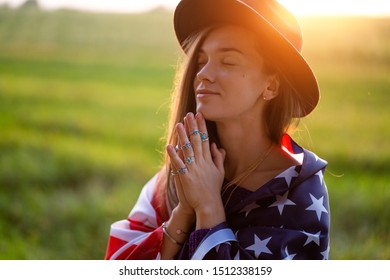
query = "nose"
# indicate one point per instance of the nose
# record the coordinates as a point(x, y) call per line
point(206, 73)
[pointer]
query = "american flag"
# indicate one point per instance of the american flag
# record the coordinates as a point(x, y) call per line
point(287, 218)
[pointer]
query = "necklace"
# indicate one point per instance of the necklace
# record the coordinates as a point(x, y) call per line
point(245, 174)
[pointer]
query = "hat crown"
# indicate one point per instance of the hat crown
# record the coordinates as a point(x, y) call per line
point(280, 18)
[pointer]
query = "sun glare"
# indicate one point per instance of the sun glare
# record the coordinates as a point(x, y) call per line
point(297, 7)
point(338, 7)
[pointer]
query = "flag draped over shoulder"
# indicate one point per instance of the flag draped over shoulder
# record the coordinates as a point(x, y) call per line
point(287, 218)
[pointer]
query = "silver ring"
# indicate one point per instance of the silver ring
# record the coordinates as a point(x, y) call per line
point(203, 136)
point(177, 148)
point(190, 160)
point(186, 146)
point(174, 173)
point(182, 170)
point(195, 132)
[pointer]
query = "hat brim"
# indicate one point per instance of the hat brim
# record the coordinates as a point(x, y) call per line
point(191, 16)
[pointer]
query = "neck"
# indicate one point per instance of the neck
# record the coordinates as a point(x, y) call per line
point(244, 142)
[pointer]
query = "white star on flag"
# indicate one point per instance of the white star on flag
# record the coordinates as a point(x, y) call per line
point(281, 201)
point(260, 246)
point(288, 256)
point(317, 206)
point(312, 237)
point(288, 175)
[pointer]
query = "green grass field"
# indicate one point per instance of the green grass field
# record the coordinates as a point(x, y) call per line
point(83, 106)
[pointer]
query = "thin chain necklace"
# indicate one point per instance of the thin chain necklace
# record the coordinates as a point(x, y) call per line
point(245, 174)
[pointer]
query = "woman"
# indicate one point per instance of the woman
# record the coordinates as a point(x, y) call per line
point(234, 184)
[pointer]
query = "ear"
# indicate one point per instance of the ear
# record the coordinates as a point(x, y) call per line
point(272, 89)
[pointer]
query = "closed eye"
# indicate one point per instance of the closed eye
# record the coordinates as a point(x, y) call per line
point(229, 61)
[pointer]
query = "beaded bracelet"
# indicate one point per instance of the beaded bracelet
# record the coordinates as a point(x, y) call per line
point(164, 228)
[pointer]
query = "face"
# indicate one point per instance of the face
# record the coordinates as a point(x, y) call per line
point(231, 80)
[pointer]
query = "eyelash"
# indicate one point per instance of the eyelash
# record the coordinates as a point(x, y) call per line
point(228, 63)
point(202, 63)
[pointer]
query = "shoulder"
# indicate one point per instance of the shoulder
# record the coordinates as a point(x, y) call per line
point(309, 181)
point(310, 184)
point(310, 163)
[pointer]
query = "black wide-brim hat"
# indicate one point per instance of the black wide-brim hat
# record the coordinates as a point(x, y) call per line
point(277, 28)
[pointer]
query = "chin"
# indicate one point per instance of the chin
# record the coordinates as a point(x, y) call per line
point(211, 113)
point(207, 113)
point(209, 116)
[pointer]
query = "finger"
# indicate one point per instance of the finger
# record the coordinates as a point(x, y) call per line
point(178, 150)
point(203, 133)
point(193, 132)
point(186, 145)
point(178, 167)
point(187, 152)
point(218, 157)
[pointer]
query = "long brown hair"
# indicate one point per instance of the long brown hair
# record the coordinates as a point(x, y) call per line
point(278, 115)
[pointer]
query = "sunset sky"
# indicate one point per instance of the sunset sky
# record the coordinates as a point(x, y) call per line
point(299, 7)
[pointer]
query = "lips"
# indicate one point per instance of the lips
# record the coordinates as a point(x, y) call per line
point(205, 93)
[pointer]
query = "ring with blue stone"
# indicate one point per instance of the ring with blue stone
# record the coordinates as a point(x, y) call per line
point(195, 132)
point(182, 170)
point(203, 136)
point(186, 146)
point(190, 160)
